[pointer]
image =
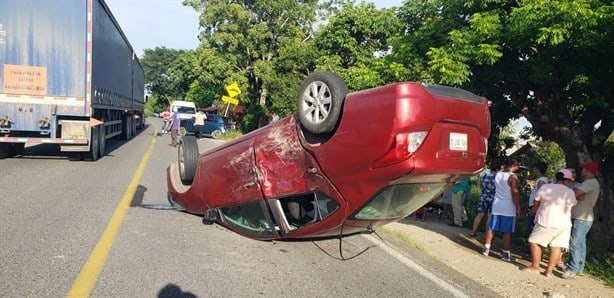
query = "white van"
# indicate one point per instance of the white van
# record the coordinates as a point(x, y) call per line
point(186, 109)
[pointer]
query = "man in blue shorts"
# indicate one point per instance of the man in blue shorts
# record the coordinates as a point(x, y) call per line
point(505, 208)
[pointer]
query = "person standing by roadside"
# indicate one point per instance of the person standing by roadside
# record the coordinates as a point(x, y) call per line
point(574, 172)
point(445, 201)
point(166, 115)
point(199, 123)
point(539, 173)
point(487, 195)
point(587, 193)
point(571, 184)
point(173, 124)
point(552, 213)
point(458, 208)
point(505, 208)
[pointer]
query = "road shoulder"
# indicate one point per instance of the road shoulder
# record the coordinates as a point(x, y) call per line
point(452, 246)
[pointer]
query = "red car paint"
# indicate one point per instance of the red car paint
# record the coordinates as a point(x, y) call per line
point(344, 170)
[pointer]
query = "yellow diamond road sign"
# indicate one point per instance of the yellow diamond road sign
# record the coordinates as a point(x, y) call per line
point(233, 89)
point(231, 100)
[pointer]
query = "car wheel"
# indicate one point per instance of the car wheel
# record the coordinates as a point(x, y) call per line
point(187, 158)
point(182, 131)
point(320, 100)
point(216, 134)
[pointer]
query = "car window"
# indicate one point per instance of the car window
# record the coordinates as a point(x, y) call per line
point(399, 200)
point(249, 218)
point(295, 212)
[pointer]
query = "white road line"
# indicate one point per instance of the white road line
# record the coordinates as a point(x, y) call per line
point(421, 270)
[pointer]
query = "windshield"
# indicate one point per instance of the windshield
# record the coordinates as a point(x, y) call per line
point(186, 110)
point(399, 200)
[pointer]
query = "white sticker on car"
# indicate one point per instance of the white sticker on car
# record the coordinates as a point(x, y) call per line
point(458, 141)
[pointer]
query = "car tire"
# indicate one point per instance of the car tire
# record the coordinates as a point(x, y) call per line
point(216, 134)
point(320, 101)
point(182, 131)
point(187, 158)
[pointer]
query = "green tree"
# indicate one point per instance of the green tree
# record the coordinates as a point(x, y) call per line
point(550, 61)
point(550, 153)
point(159, 79)
point(246, 40)
point(354, 44)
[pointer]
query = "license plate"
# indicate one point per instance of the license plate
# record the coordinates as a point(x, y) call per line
point(458, 141)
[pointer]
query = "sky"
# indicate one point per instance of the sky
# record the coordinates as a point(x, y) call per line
point(155, 23)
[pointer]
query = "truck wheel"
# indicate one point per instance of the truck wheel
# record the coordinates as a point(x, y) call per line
point(126, 128)
point(134, 126)
point(320, 100)
point(5, 150)
point(187, 158)
point(216, 134)
point(130, 126)
point(92, 155)
point(102, 141)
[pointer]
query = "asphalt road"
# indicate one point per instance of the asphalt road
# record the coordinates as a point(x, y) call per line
point(56, 214)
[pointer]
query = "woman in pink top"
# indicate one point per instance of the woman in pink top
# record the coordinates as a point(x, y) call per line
point(552, 209)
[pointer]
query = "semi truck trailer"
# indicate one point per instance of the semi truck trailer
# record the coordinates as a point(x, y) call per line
point(68, 76)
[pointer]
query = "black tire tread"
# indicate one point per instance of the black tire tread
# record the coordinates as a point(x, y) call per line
point(190, 158)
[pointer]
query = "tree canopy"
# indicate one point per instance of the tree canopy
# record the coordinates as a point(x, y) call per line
point(549, 61)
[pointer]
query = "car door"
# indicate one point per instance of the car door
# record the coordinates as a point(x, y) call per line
point(231, 175)
point(298, 193)
point(235, 192)
point(280, 160)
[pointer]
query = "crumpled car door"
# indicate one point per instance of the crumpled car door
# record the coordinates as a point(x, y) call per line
point(231, 176)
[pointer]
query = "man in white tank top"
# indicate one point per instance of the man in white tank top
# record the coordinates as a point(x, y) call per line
point(505, 208)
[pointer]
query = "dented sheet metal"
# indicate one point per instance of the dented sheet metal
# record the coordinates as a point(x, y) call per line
point(280, 160)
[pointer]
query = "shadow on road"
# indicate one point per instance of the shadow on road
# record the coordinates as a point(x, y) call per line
point(174, 291)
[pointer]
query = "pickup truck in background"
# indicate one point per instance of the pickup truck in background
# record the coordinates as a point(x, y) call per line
point(68, 76)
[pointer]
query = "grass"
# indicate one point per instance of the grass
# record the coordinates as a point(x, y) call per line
point(405, 239)
point(602, 267)
point(230, 135)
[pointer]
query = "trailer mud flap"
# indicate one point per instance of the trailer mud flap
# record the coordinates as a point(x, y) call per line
point(77, 132)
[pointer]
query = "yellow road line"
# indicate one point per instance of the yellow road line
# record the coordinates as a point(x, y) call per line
point(86, 280)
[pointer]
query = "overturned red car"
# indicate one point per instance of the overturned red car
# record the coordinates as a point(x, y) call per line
point(344, 164)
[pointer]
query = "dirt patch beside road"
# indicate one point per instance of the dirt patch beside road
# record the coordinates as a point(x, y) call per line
point(452, 246)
